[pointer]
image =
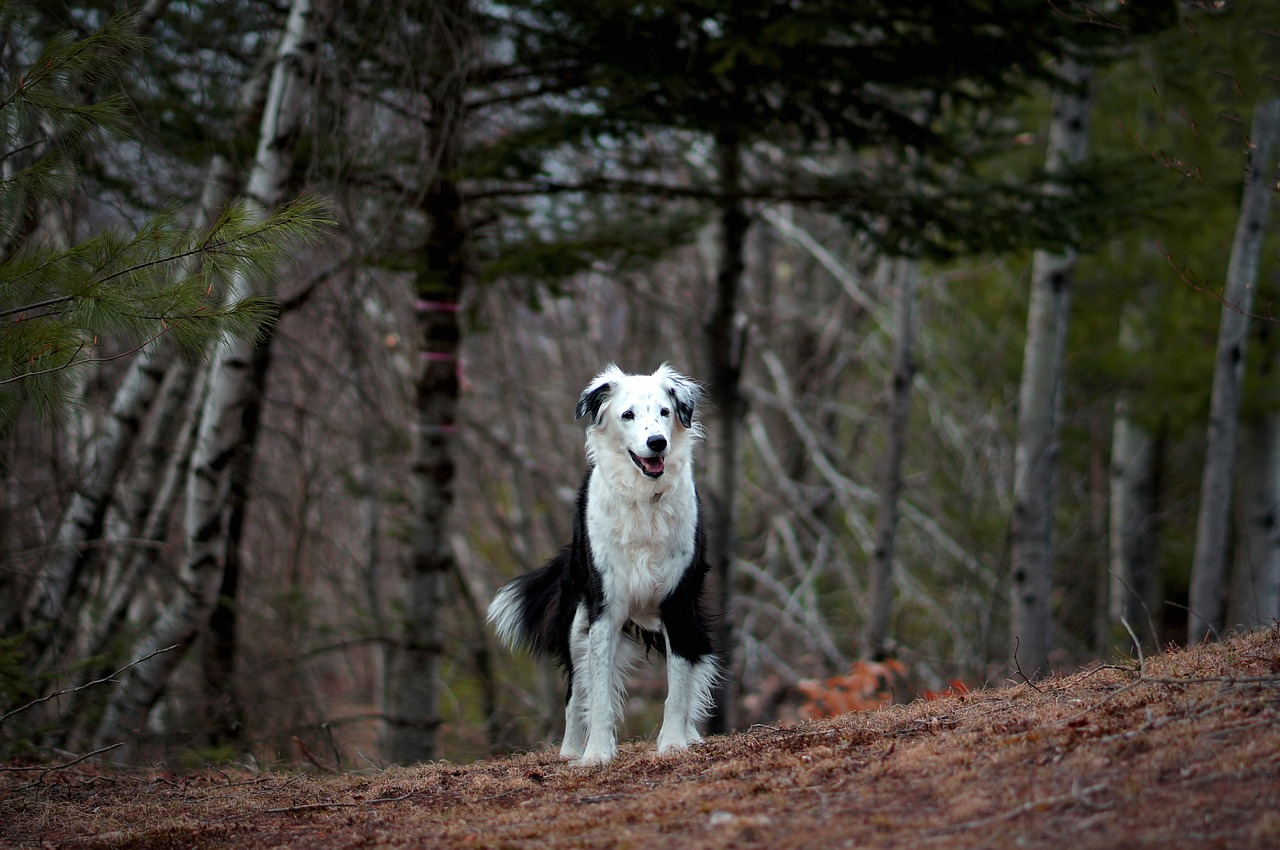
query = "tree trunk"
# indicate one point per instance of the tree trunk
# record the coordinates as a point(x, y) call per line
point(1131, 535)
point(1254, 599)
point(1039, 403)
point(726, 348)
point(414, 682)
point(223, 425)
point(1206, 608)
point(84, 517)
point(1255, 574)
point(887, 511)
point(137, 398)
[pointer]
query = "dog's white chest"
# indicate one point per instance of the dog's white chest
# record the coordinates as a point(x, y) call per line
point(641, 551)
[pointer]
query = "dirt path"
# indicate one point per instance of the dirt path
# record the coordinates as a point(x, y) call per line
point(1185, 754)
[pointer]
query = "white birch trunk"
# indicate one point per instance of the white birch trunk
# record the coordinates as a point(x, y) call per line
point(888, 509)
point(1255, 574)
point(1039, 402)
point(1206, 609)
point(1130, 538)
point(1133, 586)
point(84, 518)
point(221, 426)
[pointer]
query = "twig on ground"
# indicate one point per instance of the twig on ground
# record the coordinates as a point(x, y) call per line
point(305, 807)
point(46, 769)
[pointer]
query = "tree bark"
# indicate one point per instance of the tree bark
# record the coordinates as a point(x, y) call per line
point(1207, 605)
point(414, 682)
point(887, 509)
point(1039, 403)
point(726, 348)
point(1254, 599)
point(1132, 584)
point(223, 425)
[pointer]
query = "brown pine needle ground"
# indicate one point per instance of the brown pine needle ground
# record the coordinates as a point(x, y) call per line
point(1185, 752)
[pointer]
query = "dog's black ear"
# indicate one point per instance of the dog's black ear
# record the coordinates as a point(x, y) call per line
point(597, 392)
point(685, 394)
point(685, 413)
point(592, 398)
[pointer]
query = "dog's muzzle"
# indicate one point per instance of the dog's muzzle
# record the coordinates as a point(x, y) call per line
point(650, 466)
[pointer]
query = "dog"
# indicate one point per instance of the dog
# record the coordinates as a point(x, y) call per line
point(632, 578)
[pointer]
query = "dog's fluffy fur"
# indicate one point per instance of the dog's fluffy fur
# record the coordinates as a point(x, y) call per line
point(632, 578)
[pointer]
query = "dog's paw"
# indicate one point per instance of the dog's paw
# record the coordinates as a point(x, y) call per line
point(671, 744)
point(596, 755)
point(675, 737)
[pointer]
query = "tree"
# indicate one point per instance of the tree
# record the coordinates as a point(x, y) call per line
point(147, 296)
point(223, 422)
point(1133, 582)
point(876, 631)
point(1207, 605)
point(1040, 398)
point(446, 270)
point(1254, 597)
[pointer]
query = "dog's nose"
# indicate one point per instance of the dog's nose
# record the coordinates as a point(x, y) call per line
point(656, 443)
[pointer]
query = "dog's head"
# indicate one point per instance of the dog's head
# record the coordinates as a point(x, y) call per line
point(647, 418)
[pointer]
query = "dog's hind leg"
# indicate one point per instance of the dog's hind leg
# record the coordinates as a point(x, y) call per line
point(689, 685)
point(677, 723)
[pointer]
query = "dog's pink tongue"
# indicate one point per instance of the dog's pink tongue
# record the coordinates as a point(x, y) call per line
point(653, 465)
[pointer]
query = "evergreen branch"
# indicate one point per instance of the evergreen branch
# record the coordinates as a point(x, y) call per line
point(169, 326)
point(227, 246)
point(52, 369)
point(52, 302)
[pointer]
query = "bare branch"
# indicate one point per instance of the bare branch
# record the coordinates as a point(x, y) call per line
point(85, 686)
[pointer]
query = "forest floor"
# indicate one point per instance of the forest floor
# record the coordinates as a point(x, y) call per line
point(1183, 751)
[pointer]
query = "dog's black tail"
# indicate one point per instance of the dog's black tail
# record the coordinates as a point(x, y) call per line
point(526, 611)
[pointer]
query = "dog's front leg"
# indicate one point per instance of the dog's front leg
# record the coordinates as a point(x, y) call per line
point(602, 692)
point(575, 710)
point(689, 686)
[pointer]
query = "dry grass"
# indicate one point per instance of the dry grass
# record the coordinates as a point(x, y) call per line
point(1185, 751)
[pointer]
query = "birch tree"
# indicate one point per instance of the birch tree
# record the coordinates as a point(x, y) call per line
point(1207, 604)
point(1132, 580)
point(1040, 399)
point(222, 426)
point(1254, 597)
point(151, 294)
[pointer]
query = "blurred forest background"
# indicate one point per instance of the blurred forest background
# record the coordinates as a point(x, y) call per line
point(298, 296)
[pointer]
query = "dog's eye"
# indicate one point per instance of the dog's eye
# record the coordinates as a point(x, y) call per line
point(629, 415)
point(665, 412)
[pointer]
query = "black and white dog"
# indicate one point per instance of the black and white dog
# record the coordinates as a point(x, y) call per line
point(632, 577)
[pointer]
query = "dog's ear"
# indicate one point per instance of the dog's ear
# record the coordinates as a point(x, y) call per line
point(685, 394)
point(592, 398)
point(597, 393)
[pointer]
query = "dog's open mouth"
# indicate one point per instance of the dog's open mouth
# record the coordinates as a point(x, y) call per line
point(650, 466)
